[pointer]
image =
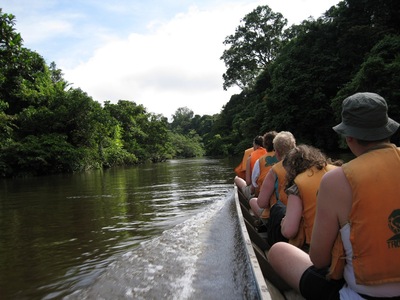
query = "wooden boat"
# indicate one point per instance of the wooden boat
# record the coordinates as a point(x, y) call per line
point(269, 284)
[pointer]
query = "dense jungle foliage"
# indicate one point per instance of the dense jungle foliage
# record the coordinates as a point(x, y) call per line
point(47, 127)
point(292, 78)
point(295, 79)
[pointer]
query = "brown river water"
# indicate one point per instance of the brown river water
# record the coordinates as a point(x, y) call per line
point(156, 231)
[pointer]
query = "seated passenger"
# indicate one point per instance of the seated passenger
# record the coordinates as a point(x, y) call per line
point(273, 186)
point(240, 170)
point(265, 162)
point(245, 186)
point(271, 202)
point(305, 166)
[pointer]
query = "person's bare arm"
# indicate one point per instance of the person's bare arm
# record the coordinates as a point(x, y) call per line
point(333, 208)
point(248, 172)
point(266, 190)
point(291, 222)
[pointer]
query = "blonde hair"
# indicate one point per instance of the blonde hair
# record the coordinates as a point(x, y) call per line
point(283, 142)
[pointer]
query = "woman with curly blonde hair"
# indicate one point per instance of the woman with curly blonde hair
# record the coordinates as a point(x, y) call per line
point(305, 166)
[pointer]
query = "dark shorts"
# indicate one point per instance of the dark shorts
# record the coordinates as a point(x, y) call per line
point(314, 285)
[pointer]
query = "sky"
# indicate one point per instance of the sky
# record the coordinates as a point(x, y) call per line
point(163, 54)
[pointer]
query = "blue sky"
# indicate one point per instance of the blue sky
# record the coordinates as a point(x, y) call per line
point(164, 54)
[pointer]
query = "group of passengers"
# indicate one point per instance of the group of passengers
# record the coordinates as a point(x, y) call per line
point(333, 227)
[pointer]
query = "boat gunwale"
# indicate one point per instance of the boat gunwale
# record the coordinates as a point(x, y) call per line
point(261, 285)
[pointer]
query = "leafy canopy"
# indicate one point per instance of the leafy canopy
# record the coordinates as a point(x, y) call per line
point(255, 44)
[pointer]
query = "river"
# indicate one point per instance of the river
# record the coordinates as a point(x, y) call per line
point(156, 231)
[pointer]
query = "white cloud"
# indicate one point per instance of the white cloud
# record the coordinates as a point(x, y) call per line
point(176, 65)
point(47, 29)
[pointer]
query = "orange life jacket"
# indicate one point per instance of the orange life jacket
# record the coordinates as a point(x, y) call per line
point(240, 170)
point(375, 215)
point(255, 156)
point(265, 163)
point(280, 185)
point(280, 172)
point(308, 185)
point(374, 178)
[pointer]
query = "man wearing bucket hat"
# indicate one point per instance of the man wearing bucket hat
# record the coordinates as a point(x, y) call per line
point(355, 245)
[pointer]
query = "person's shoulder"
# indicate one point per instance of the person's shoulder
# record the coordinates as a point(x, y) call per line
point(248, 152)
point(335, 191)
point(334, 179)
point(277, 165)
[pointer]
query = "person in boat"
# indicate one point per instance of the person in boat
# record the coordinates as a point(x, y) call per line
point(265, 162)
point(355, 244)
point(273, 186)
point(305, 166)
point(245, 185)
point(240, 170)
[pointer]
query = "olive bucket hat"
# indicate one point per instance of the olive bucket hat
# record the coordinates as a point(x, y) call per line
point(365, 117)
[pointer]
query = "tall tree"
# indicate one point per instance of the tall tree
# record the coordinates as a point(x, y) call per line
point(255, 44)
point(132, 119)
point(18, 65)
point(379, 73)
point(182, 120)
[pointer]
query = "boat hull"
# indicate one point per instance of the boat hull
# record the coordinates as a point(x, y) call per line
point(269, 284)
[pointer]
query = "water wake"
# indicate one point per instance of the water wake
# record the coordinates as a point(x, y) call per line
point(179, 264)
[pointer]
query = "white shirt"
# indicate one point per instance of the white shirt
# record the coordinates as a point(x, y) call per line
point(255, 173)
point(351, 288)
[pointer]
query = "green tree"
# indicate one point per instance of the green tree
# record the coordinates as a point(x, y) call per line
point(18, 65)
point(318, 58)
point(304, 78)
point(10, 46)
point(202, 124)
point(184, 133)
point(216, 146)
point(379, 73)
point(255, 44)
point(143, 134)
point(40, 155)
point(133, 120)
point(159, 146)
point(182, 120)
point(6, 124)
point(240, 120)
point(187, 146)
